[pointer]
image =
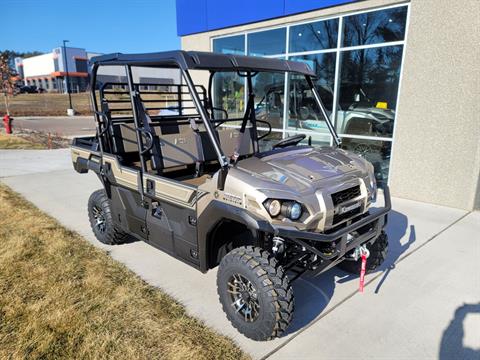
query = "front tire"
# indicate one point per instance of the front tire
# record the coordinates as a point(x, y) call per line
point(255, 293)
point(101, 221)
point(378, 254)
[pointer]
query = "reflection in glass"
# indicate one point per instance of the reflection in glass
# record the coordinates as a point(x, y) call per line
point(303, 112)
point(316, 140)
point(269, 90)
point(324, 67)
point(266, 143)
point(368, 91)
point(228, 94)
point(270, 42)
point(313, 36)
point(375, 27)
point(375, 151)
point(230, 45)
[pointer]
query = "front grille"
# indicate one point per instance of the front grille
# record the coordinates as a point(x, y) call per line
point(345, 195)
point(337, 218)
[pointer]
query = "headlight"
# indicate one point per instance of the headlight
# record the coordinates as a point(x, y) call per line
point(273, 207)
point(293, 210)
point(290, 209)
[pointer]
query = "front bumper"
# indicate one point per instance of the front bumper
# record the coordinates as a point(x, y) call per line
point(343, 240)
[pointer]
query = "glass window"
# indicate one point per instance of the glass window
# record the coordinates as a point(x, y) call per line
point(266, 143)
point(316, 140)
point(368, 91)
point(313, 36)
point(375, 27)
point(303, 112)
point(81, 65)
point(269, 89)
point(270, 42)
point(230, 45)
point(229, 90)
point(324, 67)
point(375, 151)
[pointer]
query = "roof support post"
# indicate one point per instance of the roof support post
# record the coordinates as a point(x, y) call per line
point(316, 95)
point(208, 125)
point(133, 93)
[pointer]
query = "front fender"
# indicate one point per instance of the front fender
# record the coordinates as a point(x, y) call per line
point(218, 211)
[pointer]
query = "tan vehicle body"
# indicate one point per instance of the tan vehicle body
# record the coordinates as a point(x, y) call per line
point(201, 190)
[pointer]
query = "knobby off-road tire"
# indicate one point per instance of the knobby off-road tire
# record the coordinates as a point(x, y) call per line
point(378, 253)
point(101, 222)
point(252, 276)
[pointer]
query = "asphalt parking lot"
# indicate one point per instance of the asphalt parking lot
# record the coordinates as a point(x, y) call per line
point(66, 126)
point(423, 303)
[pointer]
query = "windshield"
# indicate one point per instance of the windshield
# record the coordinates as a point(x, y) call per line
point(296, 112)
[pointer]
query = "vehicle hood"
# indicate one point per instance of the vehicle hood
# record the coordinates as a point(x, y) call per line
point(301, 167)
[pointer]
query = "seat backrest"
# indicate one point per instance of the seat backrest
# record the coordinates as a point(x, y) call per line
point(124, 138)
point(229, 139)
point(180, 148)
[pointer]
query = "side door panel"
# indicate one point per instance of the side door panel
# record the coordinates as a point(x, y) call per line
point(171, 218)
point(128, 212)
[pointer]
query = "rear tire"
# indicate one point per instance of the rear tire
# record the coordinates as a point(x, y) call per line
point(255, 293)
point(378, 254)
point(101, 221)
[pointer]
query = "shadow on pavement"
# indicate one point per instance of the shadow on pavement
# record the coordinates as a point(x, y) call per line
point(451, 345)
point(312, 294)
point(397, 249)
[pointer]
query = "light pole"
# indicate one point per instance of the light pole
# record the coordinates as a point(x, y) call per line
point(70, 110)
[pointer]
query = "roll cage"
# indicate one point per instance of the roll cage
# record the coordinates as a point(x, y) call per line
point(201, 98)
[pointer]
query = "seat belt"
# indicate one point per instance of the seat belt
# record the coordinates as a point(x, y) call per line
point(199, 162)
point(107, 121)
point(156, 154)
point(249, 115)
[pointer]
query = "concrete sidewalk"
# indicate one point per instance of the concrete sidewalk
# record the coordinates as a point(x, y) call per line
point(414, 309)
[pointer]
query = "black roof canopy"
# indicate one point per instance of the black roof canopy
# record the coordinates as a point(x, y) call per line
point(197, 60)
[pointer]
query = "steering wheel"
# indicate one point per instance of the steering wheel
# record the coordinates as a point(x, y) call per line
point(290, 141)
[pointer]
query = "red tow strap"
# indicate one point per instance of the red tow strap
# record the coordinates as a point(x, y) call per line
point(362, 272)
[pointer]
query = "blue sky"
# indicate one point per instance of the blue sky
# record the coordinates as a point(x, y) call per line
point(99, 26)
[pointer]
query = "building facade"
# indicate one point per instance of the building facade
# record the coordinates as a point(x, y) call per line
point(398, 79)
point(48, 71)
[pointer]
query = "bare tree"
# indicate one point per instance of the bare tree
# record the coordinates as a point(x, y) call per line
point(7, 78)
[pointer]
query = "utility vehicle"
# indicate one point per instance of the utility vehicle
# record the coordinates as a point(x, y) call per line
point(181, 175)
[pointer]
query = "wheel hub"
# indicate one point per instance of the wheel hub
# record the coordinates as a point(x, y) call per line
point(99, 217)
point(244, 297)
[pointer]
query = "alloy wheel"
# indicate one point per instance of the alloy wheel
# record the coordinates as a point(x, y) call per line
point(99, 216)
point(244, 297)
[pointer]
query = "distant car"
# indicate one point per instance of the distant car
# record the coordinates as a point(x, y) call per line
point(41, 90)
point(26, 89)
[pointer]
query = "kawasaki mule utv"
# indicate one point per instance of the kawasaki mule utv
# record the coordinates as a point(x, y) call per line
point(206, 188)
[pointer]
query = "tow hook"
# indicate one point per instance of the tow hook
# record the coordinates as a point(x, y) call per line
point(359, 251)
point(278, 245)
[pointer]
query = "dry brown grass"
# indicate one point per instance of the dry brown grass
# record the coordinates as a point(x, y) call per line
point(60, 297)
point(16, 142)
point(47, 104)
point(25, 139)
point(52, 104)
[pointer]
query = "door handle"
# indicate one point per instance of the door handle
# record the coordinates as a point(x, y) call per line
point(150, 187)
